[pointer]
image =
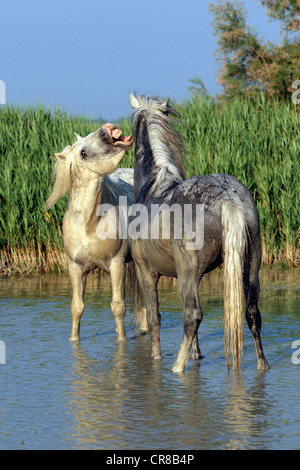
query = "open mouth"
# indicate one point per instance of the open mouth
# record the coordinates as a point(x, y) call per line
point(115, 136)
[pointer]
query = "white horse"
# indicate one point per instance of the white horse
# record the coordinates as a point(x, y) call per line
point(83, 168)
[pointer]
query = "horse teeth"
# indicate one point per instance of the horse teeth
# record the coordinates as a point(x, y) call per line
point(116, 133)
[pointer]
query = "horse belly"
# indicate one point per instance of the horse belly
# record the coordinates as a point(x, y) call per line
point(161, 258)
point(90, 252)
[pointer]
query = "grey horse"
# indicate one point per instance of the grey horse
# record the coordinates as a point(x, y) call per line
point(230, 235)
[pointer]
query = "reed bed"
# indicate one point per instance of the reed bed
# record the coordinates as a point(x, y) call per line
point(256, 141)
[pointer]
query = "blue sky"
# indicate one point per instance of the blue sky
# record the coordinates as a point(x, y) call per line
point(86, 55)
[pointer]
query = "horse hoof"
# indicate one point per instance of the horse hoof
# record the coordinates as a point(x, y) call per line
point(144, 331)
point(121, 338)
point(74, 338)
point(262, 364)
point(177, 370)
point(178, 367)
point(156, 355)
point(196, 356)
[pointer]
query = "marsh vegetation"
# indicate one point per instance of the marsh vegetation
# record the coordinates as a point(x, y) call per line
point(253, 139)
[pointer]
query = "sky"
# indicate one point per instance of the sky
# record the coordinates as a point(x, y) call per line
point(85, 56)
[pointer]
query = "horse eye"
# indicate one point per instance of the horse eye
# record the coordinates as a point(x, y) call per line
point(82, 153)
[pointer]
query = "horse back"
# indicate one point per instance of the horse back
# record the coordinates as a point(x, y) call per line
point(211, 193)
point(215, 192)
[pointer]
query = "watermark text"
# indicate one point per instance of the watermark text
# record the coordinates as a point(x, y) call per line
point(296, 354)
point(2, 353)
point(2, 92)
point(157, 221)
point(295, 99)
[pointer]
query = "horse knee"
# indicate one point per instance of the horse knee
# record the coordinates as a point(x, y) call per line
point(118, 308)
point(77, 309)
point(153, 319)
point(253, 318)
point(192, 321)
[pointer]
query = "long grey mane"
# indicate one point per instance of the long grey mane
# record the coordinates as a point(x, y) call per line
point(166, 143)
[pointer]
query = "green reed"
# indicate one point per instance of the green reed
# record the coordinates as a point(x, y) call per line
point(256, 141)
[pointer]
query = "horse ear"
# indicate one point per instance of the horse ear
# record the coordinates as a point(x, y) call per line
point(133, 101)
point(61, 157)
point(78, 137)
point(166, 106)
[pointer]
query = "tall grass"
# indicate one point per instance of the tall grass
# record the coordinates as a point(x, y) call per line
point(30, 238)
point(258, 142)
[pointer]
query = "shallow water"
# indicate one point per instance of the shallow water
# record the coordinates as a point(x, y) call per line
point(102, 395)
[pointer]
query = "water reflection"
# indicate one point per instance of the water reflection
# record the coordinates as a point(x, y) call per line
point(132, 402)
point(99, 394)
point(247, 411)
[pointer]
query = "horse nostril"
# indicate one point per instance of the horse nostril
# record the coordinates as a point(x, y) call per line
point(103, 134)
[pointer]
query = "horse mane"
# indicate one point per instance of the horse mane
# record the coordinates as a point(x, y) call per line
point(166, 143)
point(62, 175)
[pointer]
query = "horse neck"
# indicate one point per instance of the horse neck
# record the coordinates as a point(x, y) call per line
point(85, 197)
point(150, 179)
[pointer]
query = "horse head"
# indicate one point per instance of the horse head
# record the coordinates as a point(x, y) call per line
point(90, 157)
point(100, 152)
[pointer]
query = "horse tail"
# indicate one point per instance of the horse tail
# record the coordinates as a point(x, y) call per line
point(234, 241)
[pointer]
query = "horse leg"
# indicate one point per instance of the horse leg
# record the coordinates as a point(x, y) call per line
point(136, 293)
point(192, 317)
point(117, 274)
point(148, 279)
point(142, 318)
point(78, 281)
point(196, 352)
point(141, 310)
point(253, 316)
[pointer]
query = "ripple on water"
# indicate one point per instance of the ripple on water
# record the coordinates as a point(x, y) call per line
point(99, 394)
